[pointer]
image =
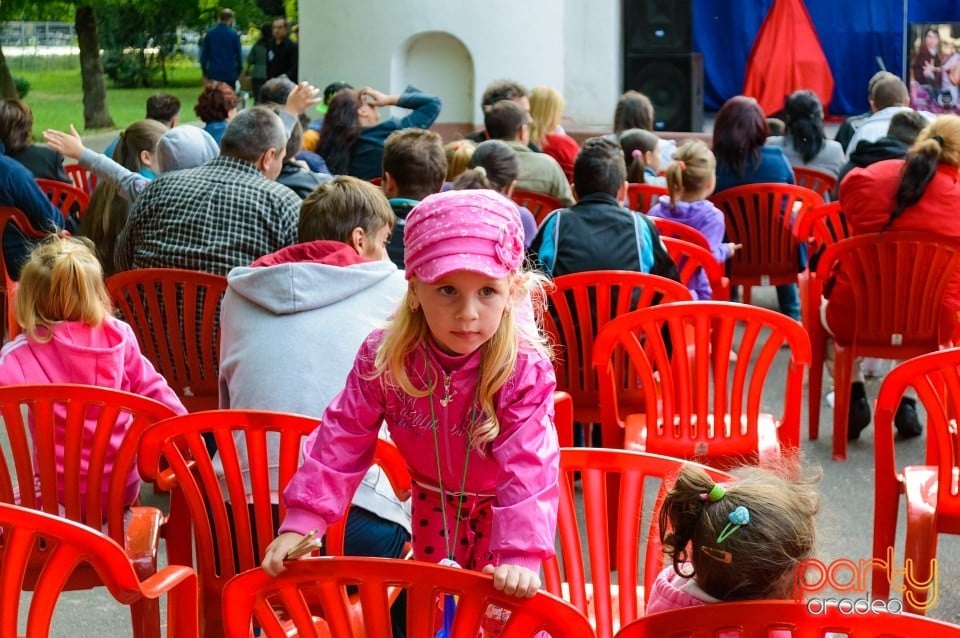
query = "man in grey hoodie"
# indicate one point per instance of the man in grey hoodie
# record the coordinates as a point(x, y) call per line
point(292, 322)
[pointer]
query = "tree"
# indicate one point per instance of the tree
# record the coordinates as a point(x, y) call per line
point(95, 111)
point(8, 87)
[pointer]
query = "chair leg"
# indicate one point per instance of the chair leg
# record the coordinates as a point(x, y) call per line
point(885, 512)
point(145, 615)
point(920, 568)
point(818, 343)
point(747, 289)
point(842, 374)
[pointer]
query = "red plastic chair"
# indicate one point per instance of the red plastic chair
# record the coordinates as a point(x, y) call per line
point(15, 216)
point(612, 506)
point(642, 197)
point(679, 230)
point(691, 258)
point(760, 217)
point(820, 181)
point(68, 198)
point(898, 284)
point(159, 304)
point(315, 588)
point(766, 618)
point(580, 305)
point(228, 540)
point(540, 204)
point(563, 418)
point(29, 539)
point(932, 493)
point(698, 404)
point(82, 178)
point(46, 425)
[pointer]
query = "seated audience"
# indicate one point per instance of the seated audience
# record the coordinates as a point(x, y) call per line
point(294, 176)
point(597, 233)
point(216, 106)
point(163, 108)
point(641, 152)
point(546, 112)
point(905, 126)
point(352, 138)
point(494, 165)
point(503, 90)
point(414, 166)
point(890, 96)
point(805, 143)
point(16, 133)
point(506, 121)
point(458, 158)
point(917, 193)
point(852, 123)
point(635, 110)
point(277, 91)
point(223, 214)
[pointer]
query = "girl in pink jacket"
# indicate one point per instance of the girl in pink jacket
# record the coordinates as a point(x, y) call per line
point(69, 337)
point(465, 384)
point(739, 541)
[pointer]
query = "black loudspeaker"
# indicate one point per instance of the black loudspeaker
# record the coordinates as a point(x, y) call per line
point(657, 26)
point(674, 83)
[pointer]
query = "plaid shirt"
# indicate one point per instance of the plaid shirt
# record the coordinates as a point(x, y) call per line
point(210, 218)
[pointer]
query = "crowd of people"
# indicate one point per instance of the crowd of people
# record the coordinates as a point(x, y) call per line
point(417, 290)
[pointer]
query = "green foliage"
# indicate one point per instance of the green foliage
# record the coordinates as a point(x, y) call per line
point(23, 86)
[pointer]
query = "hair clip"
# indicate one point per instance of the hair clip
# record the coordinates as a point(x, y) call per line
point(738, 518)
point(457, 146)
point(717, 554)
point(636, 154)
point(716, 493)
point(682, 165)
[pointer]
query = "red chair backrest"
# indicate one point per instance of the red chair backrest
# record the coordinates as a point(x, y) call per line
point(82, 178)
point(259, 452)
point(822, 226)
point(539, 204)
point(781, 617)
point(691, 258)
point(679, 230)
point(822, 182)
point(898, 281)
point(272, 601)
point(581, 304)
point(66, 197)
point(616, 488)
point(175, 316)
point(760, 218)
point(690, 380)
point(15, 216)
point(642, 197)
point(29, 538)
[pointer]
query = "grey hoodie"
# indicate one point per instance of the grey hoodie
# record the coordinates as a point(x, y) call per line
point(289, 335)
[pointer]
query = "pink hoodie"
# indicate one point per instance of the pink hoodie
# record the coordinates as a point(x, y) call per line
point(106, 356)
point(520, 468)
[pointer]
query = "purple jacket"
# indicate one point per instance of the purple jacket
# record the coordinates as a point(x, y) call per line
point(520, 468)
point(701, 215)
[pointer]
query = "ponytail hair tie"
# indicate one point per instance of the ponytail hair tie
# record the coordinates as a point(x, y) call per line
point(637, 154)
point(682, 165)
point(481, 170)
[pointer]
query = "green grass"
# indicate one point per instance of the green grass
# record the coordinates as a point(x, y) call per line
point(56, 97)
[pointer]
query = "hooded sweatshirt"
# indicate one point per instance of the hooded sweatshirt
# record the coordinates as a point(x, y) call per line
point(701, 215)
point(107, 356)
point(291, 325)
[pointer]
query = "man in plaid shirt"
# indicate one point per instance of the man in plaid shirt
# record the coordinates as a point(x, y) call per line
point(225, 213)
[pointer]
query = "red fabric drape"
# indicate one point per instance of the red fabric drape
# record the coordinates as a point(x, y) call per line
point(786, 57)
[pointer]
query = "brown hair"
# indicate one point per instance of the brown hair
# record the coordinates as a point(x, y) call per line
point(634, 110)
point(216, 102)
point(504, 120)
point(416, 161)
point(16, 125)
point(756, 561)
point(61, 281)
point(458, 157)
point(692, 169)
point(336, 207)
point(739, 132)
point(631, 141)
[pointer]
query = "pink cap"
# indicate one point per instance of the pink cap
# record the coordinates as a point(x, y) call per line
point(475, 230)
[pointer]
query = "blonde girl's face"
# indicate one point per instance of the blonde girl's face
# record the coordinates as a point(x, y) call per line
point(463, 309)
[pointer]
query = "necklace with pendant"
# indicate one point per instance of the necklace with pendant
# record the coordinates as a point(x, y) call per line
point(448, 394)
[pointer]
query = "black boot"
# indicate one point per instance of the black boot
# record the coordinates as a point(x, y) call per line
point(906, 420)
point(859, 416)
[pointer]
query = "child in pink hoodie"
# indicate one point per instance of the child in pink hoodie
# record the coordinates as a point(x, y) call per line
point(736, 541)
point(465, 385)
point(69, 336)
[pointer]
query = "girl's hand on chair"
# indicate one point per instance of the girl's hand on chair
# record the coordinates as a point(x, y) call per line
point(277, 552)
point(734, 247)
point(514, 580)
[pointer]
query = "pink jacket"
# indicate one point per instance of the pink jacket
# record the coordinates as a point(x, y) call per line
point(106, 356)
point(520, 468)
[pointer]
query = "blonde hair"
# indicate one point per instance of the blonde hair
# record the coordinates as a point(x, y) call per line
point(758, 560)
point(408, 330)
point(691, 170)
point(546, 110)
point(458, 157)
point(61, 281)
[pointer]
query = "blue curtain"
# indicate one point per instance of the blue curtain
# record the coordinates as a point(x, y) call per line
point(853, 35)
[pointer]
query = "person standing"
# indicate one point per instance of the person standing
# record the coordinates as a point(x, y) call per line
point(220, 55)
point(282, 58)
point(257, 59)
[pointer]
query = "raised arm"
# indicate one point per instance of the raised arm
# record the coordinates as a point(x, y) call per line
point(129, 184)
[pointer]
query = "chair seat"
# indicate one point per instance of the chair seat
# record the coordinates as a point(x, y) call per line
point(766, 447)
point(614, 601)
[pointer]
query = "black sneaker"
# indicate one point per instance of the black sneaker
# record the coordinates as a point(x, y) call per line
point(858, 418)
point(906, 420)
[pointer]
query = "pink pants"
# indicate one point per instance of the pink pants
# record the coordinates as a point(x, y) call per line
point(470, 539)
